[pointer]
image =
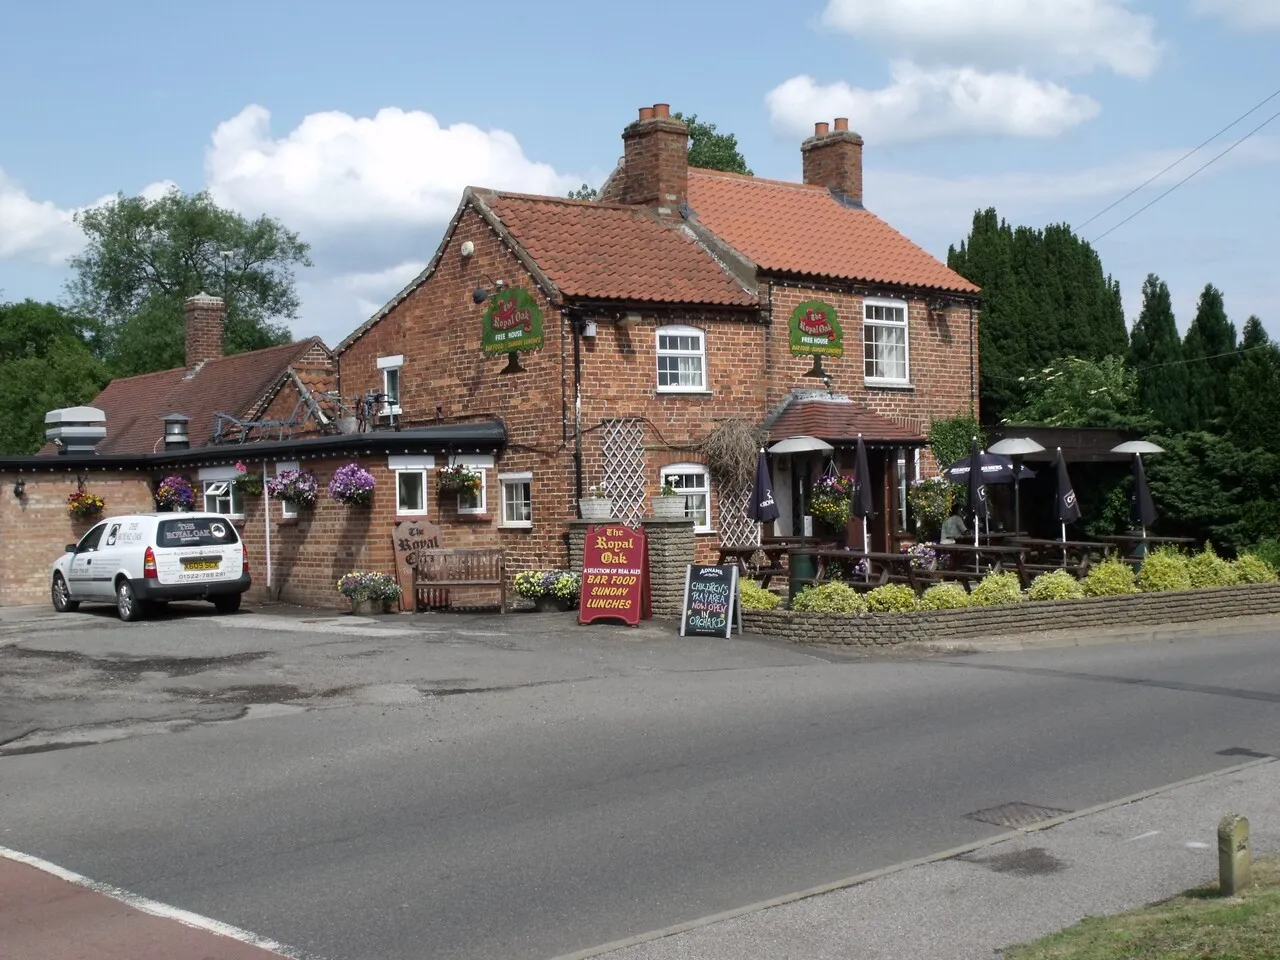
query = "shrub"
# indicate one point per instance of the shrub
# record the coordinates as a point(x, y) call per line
point(1055, 585)
point(1252, 569)
point(756, 597)
point(1110, 578)
point(944, 596)
point(829, 598)
point(1268, 551)
point(995, 589)
point(1164, 569)
point(891, 598)
point(1207, 569)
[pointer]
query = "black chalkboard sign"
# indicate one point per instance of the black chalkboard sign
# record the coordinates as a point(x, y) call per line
point(710, 601)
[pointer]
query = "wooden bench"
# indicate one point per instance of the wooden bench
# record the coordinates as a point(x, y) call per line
point(435, 571)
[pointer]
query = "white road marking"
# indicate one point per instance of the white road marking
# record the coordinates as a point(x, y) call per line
point(157, 909)
point(1197, 845)
point(1144, 836)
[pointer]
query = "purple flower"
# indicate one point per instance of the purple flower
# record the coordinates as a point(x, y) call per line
point(352, 484)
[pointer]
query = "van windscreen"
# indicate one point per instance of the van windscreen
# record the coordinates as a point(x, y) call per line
point(196, 532)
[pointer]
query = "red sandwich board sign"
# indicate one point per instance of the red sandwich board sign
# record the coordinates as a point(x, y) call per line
point(615, 575)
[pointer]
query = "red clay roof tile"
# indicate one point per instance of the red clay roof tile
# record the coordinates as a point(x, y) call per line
point(838, 420)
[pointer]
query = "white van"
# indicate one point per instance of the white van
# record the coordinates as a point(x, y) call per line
point(138, 560)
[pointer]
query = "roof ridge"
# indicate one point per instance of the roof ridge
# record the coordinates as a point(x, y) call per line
point(565, 201)
point(752, 178)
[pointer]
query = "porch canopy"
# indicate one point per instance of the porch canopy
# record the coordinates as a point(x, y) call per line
point(809, 415)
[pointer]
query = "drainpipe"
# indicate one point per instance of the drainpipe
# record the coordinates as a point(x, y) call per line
point(266, 523)
point(577, 409)
point(973, 396)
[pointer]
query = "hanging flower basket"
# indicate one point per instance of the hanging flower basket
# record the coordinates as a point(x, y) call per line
point(458, 478)
point(352, 485)
point(830, 500)
point(83, 505)
point(293, 486)
point(247, 483)
point(175, 493)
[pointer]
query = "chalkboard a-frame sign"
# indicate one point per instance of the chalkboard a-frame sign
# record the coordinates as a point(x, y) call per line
point(710, 601)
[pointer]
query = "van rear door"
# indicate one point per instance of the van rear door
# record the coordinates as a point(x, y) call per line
point(197, 550)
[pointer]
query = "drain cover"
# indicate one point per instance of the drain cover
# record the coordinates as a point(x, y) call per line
point(1015, 814)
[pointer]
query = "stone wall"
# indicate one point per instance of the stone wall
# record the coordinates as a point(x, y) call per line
point(671, 549)
point(1140, 609)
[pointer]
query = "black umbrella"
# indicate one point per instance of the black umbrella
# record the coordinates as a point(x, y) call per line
point(1144, 508)
point(1068, 506)
point(763, 509)
point(977, 492)
point(862, 489)
point(993, 467)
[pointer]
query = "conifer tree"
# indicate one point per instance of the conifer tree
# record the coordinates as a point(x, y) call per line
point(1209, 350)
point(1253, 418)
point(1155, 354)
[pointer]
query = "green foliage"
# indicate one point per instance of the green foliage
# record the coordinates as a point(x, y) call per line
point(1105, 505)
point(144, 257)
point(1155, 354)
point(891, 598)
point(46, 362)
point(1080, 393)
point(1209, 347)
point(1253, 414)
point(1044, 296)
point(832, 597)
point(1268, 551)
point(944, 596)
point(1249, 568)
point(1207, 569)
point(584, 192)
point(711, 150)
point(931, 501)
point(1110, 578)
point(1055, 585)
point(1164, 569)
point(995, 589)
point(951, 438)
point(756, 597)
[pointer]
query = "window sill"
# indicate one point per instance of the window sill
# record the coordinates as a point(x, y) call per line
point(668, 392)
point(474, 518)
point(516, 527)
point(905, 385)
point(287, 522)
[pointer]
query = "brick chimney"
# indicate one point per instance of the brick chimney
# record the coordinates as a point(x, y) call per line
point(833, 159)
point(204, 316)
point(656, 160)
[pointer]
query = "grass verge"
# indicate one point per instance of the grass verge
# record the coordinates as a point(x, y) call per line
point(1198, 925)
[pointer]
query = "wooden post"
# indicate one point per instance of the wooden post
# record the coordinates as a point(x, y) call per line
point(1235, 873)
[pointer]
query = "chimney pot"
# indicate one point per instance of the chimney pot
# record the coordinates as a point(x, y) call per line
point(820, 128)
point(833, 159)
point(842, 123)
point(655, 163)
point(646, 113)
point(662, 109)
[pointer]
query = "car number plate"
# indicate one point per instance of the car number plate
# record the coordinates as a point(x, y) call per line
point(200, 564)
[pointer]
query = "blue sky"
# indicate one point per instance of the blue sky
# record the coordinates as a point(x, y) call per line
point(358, 125)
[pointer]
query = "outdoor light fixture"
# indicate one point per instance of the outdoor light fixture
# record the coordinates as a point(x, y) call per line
point(480, 294)
point(589, 328)
point(1015, 448)
point(20, 488)
point(1138, 446)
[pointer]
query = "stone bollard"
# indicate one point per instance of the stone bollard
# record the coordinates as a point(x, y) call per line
point(1235, 873)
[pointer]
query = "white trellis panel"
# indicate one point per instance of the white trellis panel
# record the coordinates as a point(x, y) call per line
point(624, 468)
point(736, 528)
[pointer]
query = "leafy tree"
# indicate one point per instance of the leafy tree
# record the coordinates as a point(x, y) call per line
point(711, 150)
point(1210, 351)
point(1081, 393)
point(950, 439)
point(144, 257)
point(584, 192)
point(1253, 413)
point(1155, 354)
point(45, 363)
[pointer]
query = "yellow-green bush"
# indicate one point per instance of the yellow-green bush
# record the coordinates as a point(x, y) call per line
point(1110, 578)
point(1210, 570)
point(995, 589)
point(1164, 569)
point(1055, 585)
point(829, 598)
point(1250, 568)
point(891, 598)
point(944, 596)
point(756, 597)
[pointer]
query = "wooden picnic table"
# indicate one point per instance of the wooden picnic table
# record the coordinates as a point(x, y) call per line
point(744, 556)
point(1128, 542)
point(882, 568)
point(969, 563)
point(1074, 556)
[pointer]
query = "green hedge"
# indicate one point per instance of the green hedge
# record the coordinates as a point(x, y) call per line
point(944, 596)
point(891, 598)
point(756, 597)
point(832, 597)
point(1055, 585)
point(995, 589)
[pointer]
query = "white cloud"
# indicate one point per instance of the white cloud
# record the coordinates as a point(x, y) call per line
point(920, 104)
point(335, 171)
point(1068, 35)
point(38, 230)
point(1241, 14)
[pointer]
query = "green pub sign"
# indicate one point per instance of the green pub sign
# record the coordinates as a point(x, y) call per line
point(815, 331)
point(512, 322)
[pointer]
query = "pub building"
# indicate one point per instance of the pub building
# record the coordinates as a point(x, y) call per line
point(562, 348)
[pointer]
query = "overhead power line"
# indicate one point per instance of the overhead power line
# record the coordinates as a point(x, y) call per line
point(1146, 183)
point(1207, 163)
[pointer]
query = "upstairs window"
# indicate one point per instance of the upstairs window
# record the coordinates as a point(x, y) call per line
point(391, 367)
point(885, 342)
point(682, 360)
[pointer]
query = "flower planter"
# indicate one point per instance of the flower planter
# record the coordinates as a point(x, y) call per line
point(552, 605)
point(669, 508)
point(371, 606)
point(596, 508)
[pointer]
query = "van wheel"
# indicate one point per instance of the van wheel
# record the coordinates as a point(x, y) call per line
point(62, 601)
point(127, 603)
point(227, 604)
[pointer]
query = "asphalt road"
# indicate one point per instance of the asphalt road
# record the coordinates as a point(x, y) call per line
point(489, 789)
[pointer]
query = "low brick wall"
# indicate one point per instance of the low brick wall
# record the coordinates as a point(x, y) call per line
point(1139, 609)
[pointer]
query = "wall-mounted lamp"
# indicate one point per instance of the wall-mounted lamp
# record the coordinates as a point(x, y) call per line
point(589, 328)
point(20, 488)
point(480, 294)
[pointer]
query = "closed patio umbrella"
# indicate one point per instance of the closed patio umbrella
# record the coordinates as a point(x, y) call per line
point(763, 508)
point(1144, 508)
point(862, 490)
point(1068, 507)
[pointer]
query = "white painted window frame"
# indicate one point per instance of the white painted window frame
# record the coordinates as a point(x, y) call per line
point(386, 365)
point(289, 511)
point(680, 330)
point(904, 326)
point(698, 468)
point(506, 480)
point(400, 508)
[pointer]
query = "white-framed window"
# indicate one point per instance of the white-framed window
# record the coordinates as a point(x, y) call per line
point(517, 499)
point(391, 367)
point(289, 511)
point(693, 480)
point(886, 346)
point(475, 503)
point(411, 492)
point(682, 360)
point(220, 496)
